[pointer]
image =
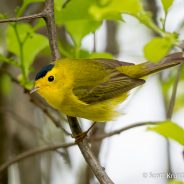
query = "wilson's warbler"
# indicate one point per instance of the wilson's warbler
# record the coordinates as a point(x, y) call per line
point(92, 88)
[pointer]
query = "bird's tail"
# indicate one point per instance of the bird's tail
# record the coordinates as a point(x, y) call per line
point(144, 69)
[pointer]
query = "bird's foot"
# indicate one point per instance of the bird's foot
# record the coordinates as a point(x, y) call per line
point(79, 137)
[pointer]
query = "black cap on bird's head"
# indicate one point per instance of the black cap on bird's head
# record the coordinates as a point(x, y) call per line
point(44, 71)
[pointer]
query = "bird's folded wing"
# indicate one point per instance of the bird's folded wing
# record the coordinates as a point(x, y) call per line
point(115, 85)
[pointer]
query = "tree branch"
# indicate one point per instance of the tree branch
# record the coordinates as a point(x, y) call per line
point(119, 131)
point(74, 125)
point(51, 28)
point(18, 19)
point(87, 154)
point(35, 151)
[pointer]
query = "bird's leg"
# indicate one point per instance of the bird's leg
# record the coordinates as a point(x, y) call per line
point(81, 136)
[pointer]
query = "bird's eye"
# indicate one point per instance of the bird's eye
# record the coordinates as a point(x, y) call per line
point(50, 78)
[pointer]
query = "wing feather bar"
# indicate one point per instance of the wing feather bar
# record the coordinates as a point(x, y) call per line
point(117, 84)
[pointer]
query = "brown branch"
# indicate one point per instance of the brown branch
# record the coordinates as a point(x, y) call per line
point(51, 28)
point(74, 125)
point(18, 19)
point(32, 152)
point(119, 131)
point(87, 154)
point(35, 151)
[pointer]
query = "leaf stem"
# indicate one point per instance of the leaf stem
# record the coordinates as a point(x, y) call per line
point(21, 52)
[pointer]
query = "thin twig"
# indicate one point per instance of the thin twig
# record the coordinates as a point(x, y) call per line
point(170, 111)
point(119, 131)
point(173, 96)
point(35, 151)
point(18, 19)
point(32, 152)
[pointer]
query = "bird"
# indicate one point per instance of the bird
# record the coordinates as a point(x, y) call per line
point(93, 88)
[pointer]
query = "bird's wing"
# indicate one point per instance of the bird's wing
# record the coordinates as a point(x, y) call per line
point(109, 85)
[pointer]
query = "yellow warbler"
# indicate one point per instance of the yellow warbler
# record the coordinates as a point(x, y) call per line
point(92, 88)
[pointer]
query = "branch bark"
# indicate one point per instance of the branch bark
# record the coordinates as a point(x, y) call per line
point(74, 124)
point(30, 17)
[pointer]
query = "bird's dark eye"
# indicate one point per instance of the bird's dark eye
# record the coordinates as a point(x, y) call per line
point(50, 78)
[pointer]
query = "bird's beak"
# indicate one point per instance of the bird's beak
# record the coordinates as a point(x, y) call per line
point(34, 89)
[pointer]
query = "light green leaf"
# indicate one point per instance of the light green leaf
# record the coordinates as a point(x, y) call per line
point(175, 182)
point(159, 47)
point(31, 43)
point(82, 17)
point(5, 83)
point(39, 24)
point(167, 4)
point(170, 130)
point(58, 5)
point(79, 29)
point(77, 20)
point(101, 55)
point(107, 8)
point(69, 51)
point(74, 10)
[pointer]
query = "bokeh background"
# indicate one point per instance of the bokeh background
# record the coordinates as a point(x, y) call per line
point(133, 157)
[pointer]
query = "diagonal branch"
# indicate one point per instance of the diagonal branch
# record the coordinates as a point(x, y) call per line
point(74, 124)
point(35, 151)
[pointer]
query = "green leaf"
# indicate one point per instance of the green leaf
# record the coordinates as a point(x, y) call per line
point(175, 182)
point(39, 24)
point(58, 5)
point(74, 10)
point(107, 9)
point(79, 29)
point(69, 51)
point(5, 84)
point(31, 43)
point(170, 130)
point(159, 47)
point(76, 18)
point(101, 55)
point(167, 4)
point(82, 17)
